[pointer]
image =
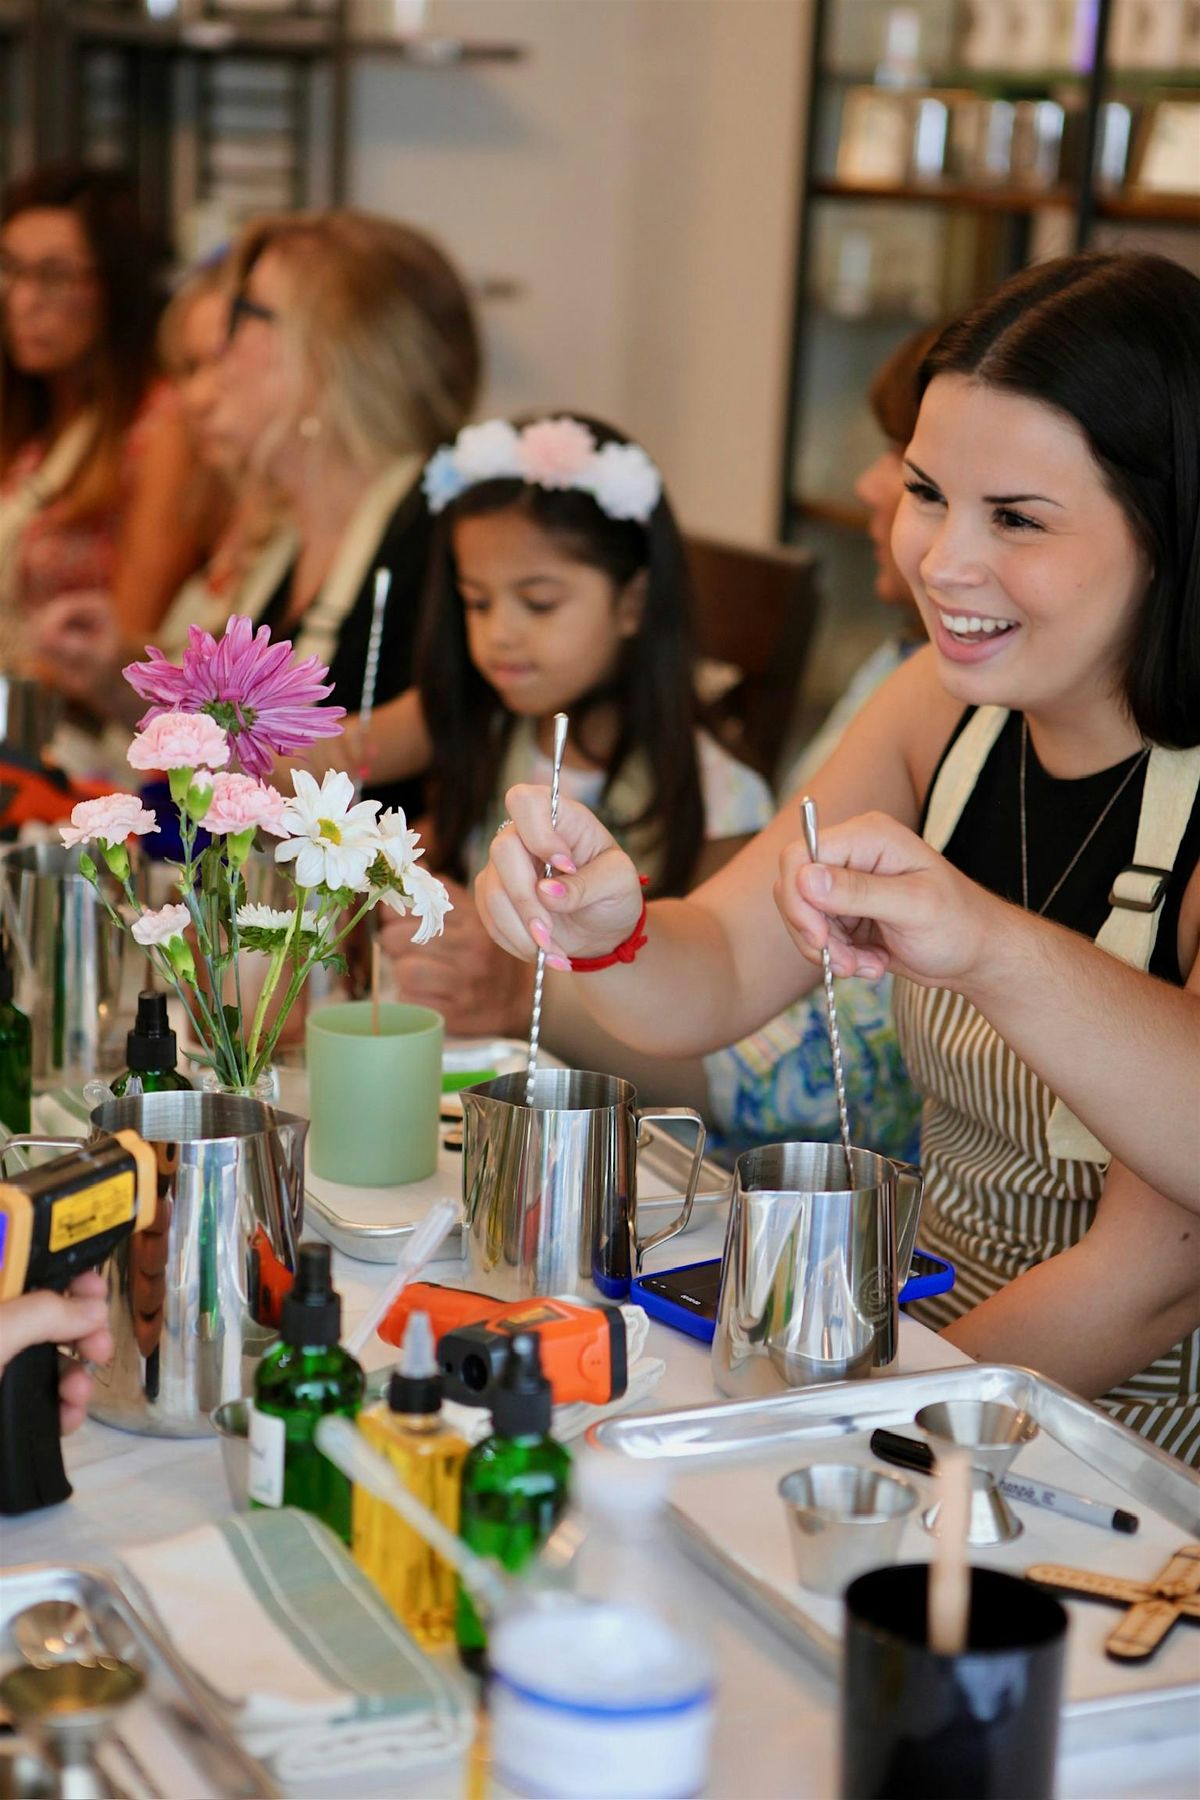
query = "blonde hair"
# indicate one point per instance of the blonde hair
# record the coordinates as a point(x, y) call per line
point(378, 329)
point(209, 278)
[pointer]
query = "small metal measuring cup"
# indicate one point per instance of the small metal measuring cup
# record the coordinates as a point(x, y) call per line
point(843, 1520)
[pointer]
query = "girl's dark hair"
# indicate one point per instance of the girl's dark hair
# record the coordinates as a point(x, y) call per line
point(129, 259)
point(651, 689)
point(1113, 342)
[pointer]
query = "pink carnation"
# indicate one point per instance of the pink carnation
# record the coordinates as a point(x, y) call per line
point(111, 819)
point(240, 803)
point(555, 452)
point(180, 740)
point(161, 926)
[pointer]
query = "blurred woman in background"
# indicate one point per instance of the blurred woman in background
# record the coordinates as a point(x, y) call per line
point(327, 396)
point(336, 391)
point(97, 477)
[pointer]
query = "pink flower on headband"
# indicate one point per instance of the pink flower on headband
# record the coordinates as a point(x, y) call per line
point(555, 452)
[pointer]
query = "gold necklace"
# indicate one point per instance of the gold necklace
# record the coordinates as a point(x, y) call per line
point(1109, 804)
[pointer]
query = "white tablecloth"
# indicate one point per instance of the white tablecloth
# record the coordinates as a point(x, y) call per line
point(777, 1719)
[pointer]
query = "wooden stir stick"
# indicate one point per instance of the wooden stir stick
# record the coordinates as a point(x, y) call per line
point(1154, 1605)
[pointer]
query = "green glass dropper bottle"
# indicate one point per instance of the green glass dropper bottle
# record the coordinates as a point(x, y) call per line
point(151, 1052)
point(302, 1377)
point(16, 1052)
point(514, 1486)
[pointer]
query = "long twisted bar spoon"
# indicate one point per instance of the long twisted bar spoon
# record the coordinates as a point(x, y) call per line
point(808, 808)
point(535, 1022)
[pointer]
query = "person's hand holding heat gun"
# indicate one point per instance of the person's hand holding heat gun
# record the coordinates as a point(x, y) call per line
point(79, 1318)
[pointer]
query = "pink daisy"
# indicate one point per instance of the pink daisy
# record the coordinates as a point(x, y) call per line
point(268, 703)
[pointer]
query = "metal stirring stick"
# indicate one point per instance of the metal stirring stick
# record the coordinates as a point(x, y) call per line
point(535, 1022)
point(808, 808)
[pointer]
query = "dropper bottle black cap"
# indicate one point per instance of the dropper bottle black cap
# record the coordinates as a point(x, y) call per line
point(416, 1387)
point(312, 1311)
point(151, 1045)
point(522, 1405)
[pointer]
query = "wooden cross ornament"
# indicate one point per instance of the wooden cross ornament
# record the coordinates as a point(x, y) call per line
point(1154, 1605)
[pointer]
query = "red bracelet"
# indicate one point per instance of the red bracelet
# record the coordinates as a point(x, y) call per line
point(624, 953)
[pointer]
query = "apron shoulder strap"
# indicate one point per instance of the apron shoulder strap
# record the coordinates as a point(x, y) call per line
point(1131, 928)
point(960, 770)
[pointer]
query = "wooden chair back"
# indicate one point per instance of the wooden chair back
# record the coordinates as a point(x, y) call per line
point(756, 610)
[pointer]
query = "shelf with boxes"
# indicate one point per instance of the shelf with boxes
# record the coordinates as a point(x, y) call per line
point(949, 142)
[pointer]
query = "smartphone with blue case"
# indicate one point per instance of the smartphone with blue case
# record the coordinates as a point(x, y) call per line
point(686, 1298)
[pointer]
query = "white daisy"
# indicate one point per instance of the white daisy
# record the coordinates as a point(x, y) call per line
point(426, 897)
point(332, 839)
point(254, 917)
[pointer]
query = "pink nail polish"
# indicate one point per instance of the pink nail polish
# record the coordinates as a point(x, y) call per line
point(559, 963)
point(553, 889)
point(539, 931)
point(563, 864)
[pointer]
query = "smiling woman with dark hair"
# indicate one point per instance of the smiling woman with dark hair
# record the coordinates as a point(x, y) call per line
point(95, 464)
point(1046, 746)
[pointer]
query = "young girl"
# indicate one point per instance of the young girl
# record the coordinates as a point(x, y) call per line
point(559, 583)
point(1045, 745)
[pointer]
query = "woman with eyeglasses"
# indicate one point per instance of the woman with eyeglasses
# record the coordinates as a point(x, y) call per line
point(98, 483)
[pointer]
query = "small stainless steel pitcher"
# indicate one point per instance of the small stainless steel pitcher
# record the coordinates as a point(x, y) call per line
point(69, 957)
point(812, 1269)
point(550, 1190)
point(186, 1298)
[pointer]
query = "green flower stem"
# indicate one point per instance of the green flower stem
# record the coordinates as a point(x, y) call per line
point(290, 946)
point(154, 954)
point(302, 971)
point(260, 1012)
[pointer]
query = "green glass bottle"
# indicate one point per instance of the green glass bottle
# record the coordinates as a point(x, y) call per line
point(514, 1484)
point(151, 1052)
point(16, 1052)
point(305, 1375)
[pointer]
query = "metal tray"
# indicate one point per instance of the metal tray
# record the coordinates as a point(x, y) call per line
point(372, 1223)
point(174, 1740)
point(730, 1456)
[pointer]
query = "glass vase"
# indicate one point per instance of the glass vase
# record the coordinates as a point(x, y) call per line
point(265, 1088)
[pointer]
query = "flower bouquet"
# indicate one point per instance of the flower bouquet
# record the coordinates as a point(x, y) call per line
point(214, 726)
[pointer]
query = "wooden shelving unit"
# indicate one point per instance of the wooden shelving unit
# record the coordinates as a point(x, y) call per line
point(973, 233)
point(947, 193)
point(155, 84)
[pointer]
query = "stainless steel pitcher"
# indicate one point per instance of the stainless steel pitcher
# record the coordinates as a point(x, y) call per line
point(550, 1190)
point(69, 961)
point(812, 1269)
point(188, 1300)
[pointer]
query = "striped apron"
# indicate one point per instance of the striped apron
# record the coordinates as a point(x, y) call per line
point(1011, 1177)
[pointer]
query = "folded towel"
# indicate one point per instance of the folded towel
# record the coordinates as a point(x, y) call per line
point(317, 1675)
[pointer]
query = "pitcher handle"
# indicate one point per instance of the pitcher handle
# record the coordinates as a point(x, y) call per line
point(645, 1115)
point(28, 1140)
point(908, 1177)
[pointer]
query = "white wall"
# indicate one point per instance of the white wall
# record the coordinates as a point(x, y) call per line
point(721, 87)
point(637, 174)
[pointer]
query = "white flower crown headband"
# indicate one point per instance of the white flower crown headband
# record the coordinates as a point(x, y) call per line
point(550, 453)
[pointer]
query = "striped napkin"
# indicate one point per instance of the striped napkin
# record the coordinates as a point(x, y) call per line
point(316, 1674)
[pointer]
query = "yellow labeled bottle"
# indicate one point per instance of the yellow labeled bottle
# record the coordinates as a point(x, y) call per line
point(408, 1429)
